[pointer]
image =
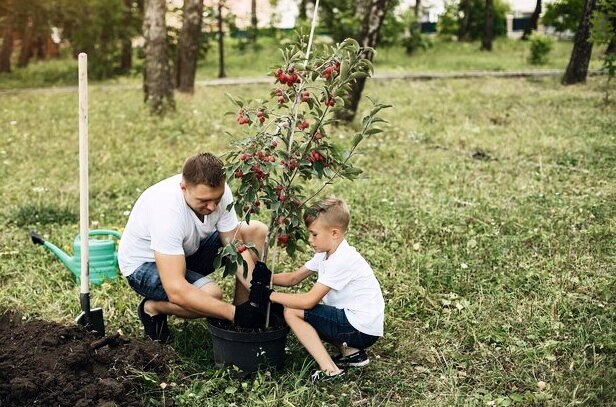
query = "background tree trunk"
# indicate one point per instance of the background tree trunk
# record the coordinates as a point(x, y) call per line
point(417, 10)
point(27, 44)
point(488, 30)
point(157, 84)
point(221, 42)
point(7, 44)
point(611, 47)
point(577, 69)
point(465, 7)
point(302, 10)
point(367, 37)
point(126, 48)
point(252, 32)
point(188, 46)
point(532, 23)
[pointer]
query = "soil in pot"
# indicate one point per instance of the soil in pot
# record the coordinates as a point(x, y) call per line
point(249, 350)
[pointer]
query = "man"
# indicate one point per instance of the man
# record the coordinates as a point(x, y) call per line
point(170, 241)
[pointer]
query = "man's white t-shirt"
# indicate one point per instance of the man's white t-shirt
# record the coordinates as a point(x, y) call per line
point(353, 287)
point(162, 221)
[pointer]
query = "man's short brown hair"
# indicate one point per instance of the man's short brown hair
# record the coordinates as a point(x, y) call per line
point(204, 168)
point(332, 211)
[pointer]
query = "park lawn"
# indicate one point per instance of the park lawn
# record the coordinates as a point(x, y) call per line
point(487, 210)
point(442, 57)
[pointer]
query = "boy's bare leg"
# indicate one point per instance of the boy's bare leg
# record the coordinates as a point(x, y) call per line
point(309, 337)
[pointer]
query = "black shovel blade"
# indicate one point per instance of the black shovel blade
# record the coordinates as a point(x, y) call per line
point(92, 321)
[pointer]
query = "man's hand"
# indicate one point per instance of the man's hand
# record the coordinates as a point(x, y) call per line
point(259, 295)
point(247, 316)
point(261, 274)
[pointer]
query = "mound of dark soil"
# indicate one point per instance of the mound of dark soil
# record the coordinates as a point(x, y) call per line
point(48, 364)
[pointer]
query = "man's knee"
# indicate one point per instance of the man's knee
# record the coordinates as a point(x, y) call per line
point(253, 230)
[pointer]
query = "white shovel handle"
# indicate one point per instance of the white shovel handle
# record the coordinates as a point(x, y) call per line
point(83, 171)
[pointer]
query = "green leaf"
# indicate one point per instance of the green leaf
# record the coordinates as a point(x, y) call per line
point(217, 261)
point(373, 131)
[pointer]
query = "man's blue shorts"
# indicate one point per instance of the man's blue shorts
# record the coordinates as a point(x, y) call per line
point(333, 326)
point(145, 280)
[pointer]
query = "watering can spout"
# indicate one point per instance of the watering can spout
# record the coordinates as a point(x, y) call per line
point(102, 259)
point(69, 262)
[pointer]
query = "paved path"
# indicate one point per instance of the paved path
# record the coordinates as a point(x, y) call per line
point(413, 76)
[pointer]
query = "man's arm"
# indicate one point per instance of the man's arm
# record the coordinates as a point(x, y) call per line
point(172, 270)
point(301, 301)
point(292, 278)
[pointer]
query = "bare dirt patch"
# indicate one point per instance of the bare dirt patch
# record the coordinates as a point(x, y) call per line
point(45, 363)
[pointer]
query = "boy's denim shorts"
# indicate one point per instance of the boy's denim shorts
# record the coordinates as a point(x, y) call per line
point(145, 280)
point(333, 326)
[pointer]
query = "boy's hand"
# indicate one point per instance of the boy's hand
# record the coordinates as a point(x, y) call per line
point(261, 274)
point(247, 316)
point(259, 295)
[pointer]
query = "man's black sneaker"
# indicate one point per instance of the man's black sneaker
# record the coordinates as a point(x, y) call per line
point(357, 359)
point(154, 327)
point(319, 376)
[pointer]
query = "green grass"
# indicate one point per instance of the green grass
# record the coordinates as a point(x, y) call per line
point(443, 56)
point(497, 273)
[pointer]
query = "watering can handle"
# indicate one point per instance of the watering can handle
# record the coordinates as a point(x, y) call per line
point(104, 232)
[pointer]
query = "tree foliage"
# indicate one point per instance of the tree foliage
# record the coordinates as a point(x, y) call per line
point(564, 15)
point(449, 22)
point(288, 141)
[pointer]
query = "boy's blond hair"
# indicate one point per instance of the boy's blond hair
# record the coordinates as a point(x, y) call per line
point(332, 211)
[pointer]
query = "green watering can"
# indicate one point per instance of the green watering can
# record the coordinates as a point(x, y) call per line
point(103, 256)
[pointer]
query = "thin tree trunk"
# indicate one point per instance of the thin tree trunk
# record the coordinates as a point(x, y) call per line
point(611, 47)
point(302, 10)
point(532, 23)
point(252, 32)
point(488, 30)
point(417, 9)
point(188, 46)
point(577, 69)
point(27, 45)
point(7, 47)
point(221, 42)
point(41, 47)
point(367, 37)
point(126, 48)
point(465, 7)
point(157, 86)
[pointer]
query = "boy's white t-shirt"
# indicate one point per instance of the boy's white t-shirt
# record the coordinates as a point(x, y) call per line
point(162, 221)
point(354, 288)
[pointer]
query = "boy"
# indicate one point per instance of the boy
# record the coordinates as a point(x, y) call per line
point(352, 313)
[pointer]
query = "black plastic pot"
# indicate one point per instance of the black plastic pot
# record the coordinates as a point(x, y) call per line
point(249, 351)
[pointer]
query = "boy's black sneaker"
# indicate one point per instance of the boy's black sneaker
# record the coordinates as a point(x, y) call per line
point(154, 327)
point(319, 376)
point(357, 359)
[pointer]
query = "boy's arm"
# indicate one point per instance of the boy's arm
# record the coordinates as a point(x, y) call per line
point(301, 301)
point(292, 278)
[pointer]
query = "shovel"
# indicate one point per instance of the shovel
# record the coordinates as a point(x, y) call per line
point(91, 319)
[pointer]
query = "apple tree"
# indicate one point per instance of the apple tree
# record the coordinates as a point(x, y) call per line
point(287, 142)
